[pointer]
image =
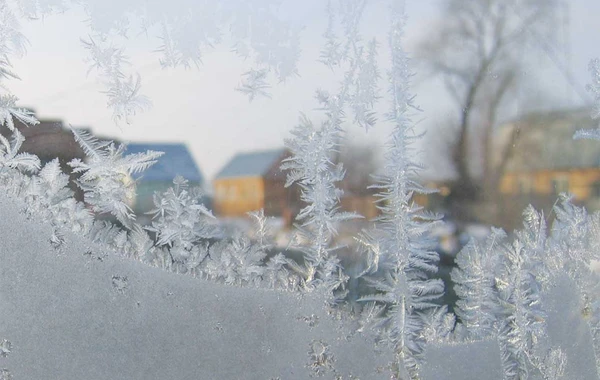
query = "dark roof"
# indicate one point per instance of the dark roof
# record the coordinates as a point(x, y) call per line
point(177, 160)
point(48, 139)
point(546, 142)
point(251, 164)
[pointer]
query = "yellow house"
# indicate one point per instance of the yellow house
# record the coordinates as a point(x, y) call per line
point(547, 161)
point(436, 200)
point(252, 181)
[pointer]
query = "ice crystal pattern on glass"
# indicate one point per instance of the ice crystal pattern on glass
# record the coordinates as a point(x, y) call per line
point(402, 250)
point(360, 89)
point(501, 282)
point(254, 84)
point(123, 91)
point(312, 165)
point(120, 283)
point(5, 347)
point(8, 111)
point(5, 374)
point(12, 43)
point(105, 175)
point(11, 158)
point(321, 359)
point(594, 89)
point(475, 279)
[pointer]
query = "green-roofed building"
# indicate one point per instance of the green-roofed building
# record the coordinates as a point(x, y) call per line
point(177, 160)
point(546, 161)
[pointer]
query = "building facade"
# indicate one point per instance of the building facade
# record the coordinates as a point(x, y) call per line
point(177, 160)
point(547, 161)
point(253, 181)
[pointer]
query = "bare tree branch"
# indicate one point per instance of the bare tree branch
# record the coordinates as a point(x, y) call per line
point(474, 51)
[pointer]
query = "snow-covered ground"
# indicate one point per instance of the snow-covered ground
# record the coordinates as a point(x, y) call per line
point(74, 311)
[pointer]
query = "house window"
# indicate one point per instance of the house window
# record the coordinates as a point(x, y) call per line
point(560, 185)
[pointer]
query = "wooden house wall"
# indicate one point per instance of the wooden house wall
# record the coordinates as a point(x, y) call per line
point(364, 205)
point(276, 197)
point(280, 201)
point(434, 201)
point(580, 182)
point(234, 197)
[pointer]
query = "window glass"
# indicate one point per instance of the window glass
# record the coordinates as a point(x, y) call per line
point(413, 161)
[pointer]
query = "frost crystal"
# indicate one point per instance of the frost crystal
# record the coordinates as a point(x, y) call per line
point(120, 283)
point(5, 374)
point(237, 262)
point(12, 42)
point(474, 277)
point(56, 239)
point(321, 359)
point(522, 323)
point(8, 110)
point(11, 158)
point(503, 286)
point(181, 226)
point(331, 53)
point(576, 243)
point(365, 93)
point(404, 249)
point(255, 29)
point(123, 91)
point(594, 88)
point(255, 84)
point(105, 175)
point(311, 166)
point(277, 275)
point(554, 364)
point(311, 320)
point(500, 286)
point(125, 99)
point(175, 55)
point(360, 86)
point(5, 348)
point(49, 196)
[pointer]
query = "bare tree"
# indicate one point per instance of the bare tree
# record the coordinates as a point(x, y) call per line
point(477, 50)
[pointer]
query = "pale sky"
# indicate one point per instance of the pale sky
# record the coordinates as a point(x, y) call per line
point(200, 106)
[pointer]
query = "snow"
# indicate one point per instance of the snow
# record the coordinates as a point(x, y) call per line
point(80, 313)
point(464, 361)
point(567, 328)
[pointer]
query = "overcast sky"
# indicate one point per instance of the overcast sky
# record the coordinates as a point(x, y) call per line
point(200, 106)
